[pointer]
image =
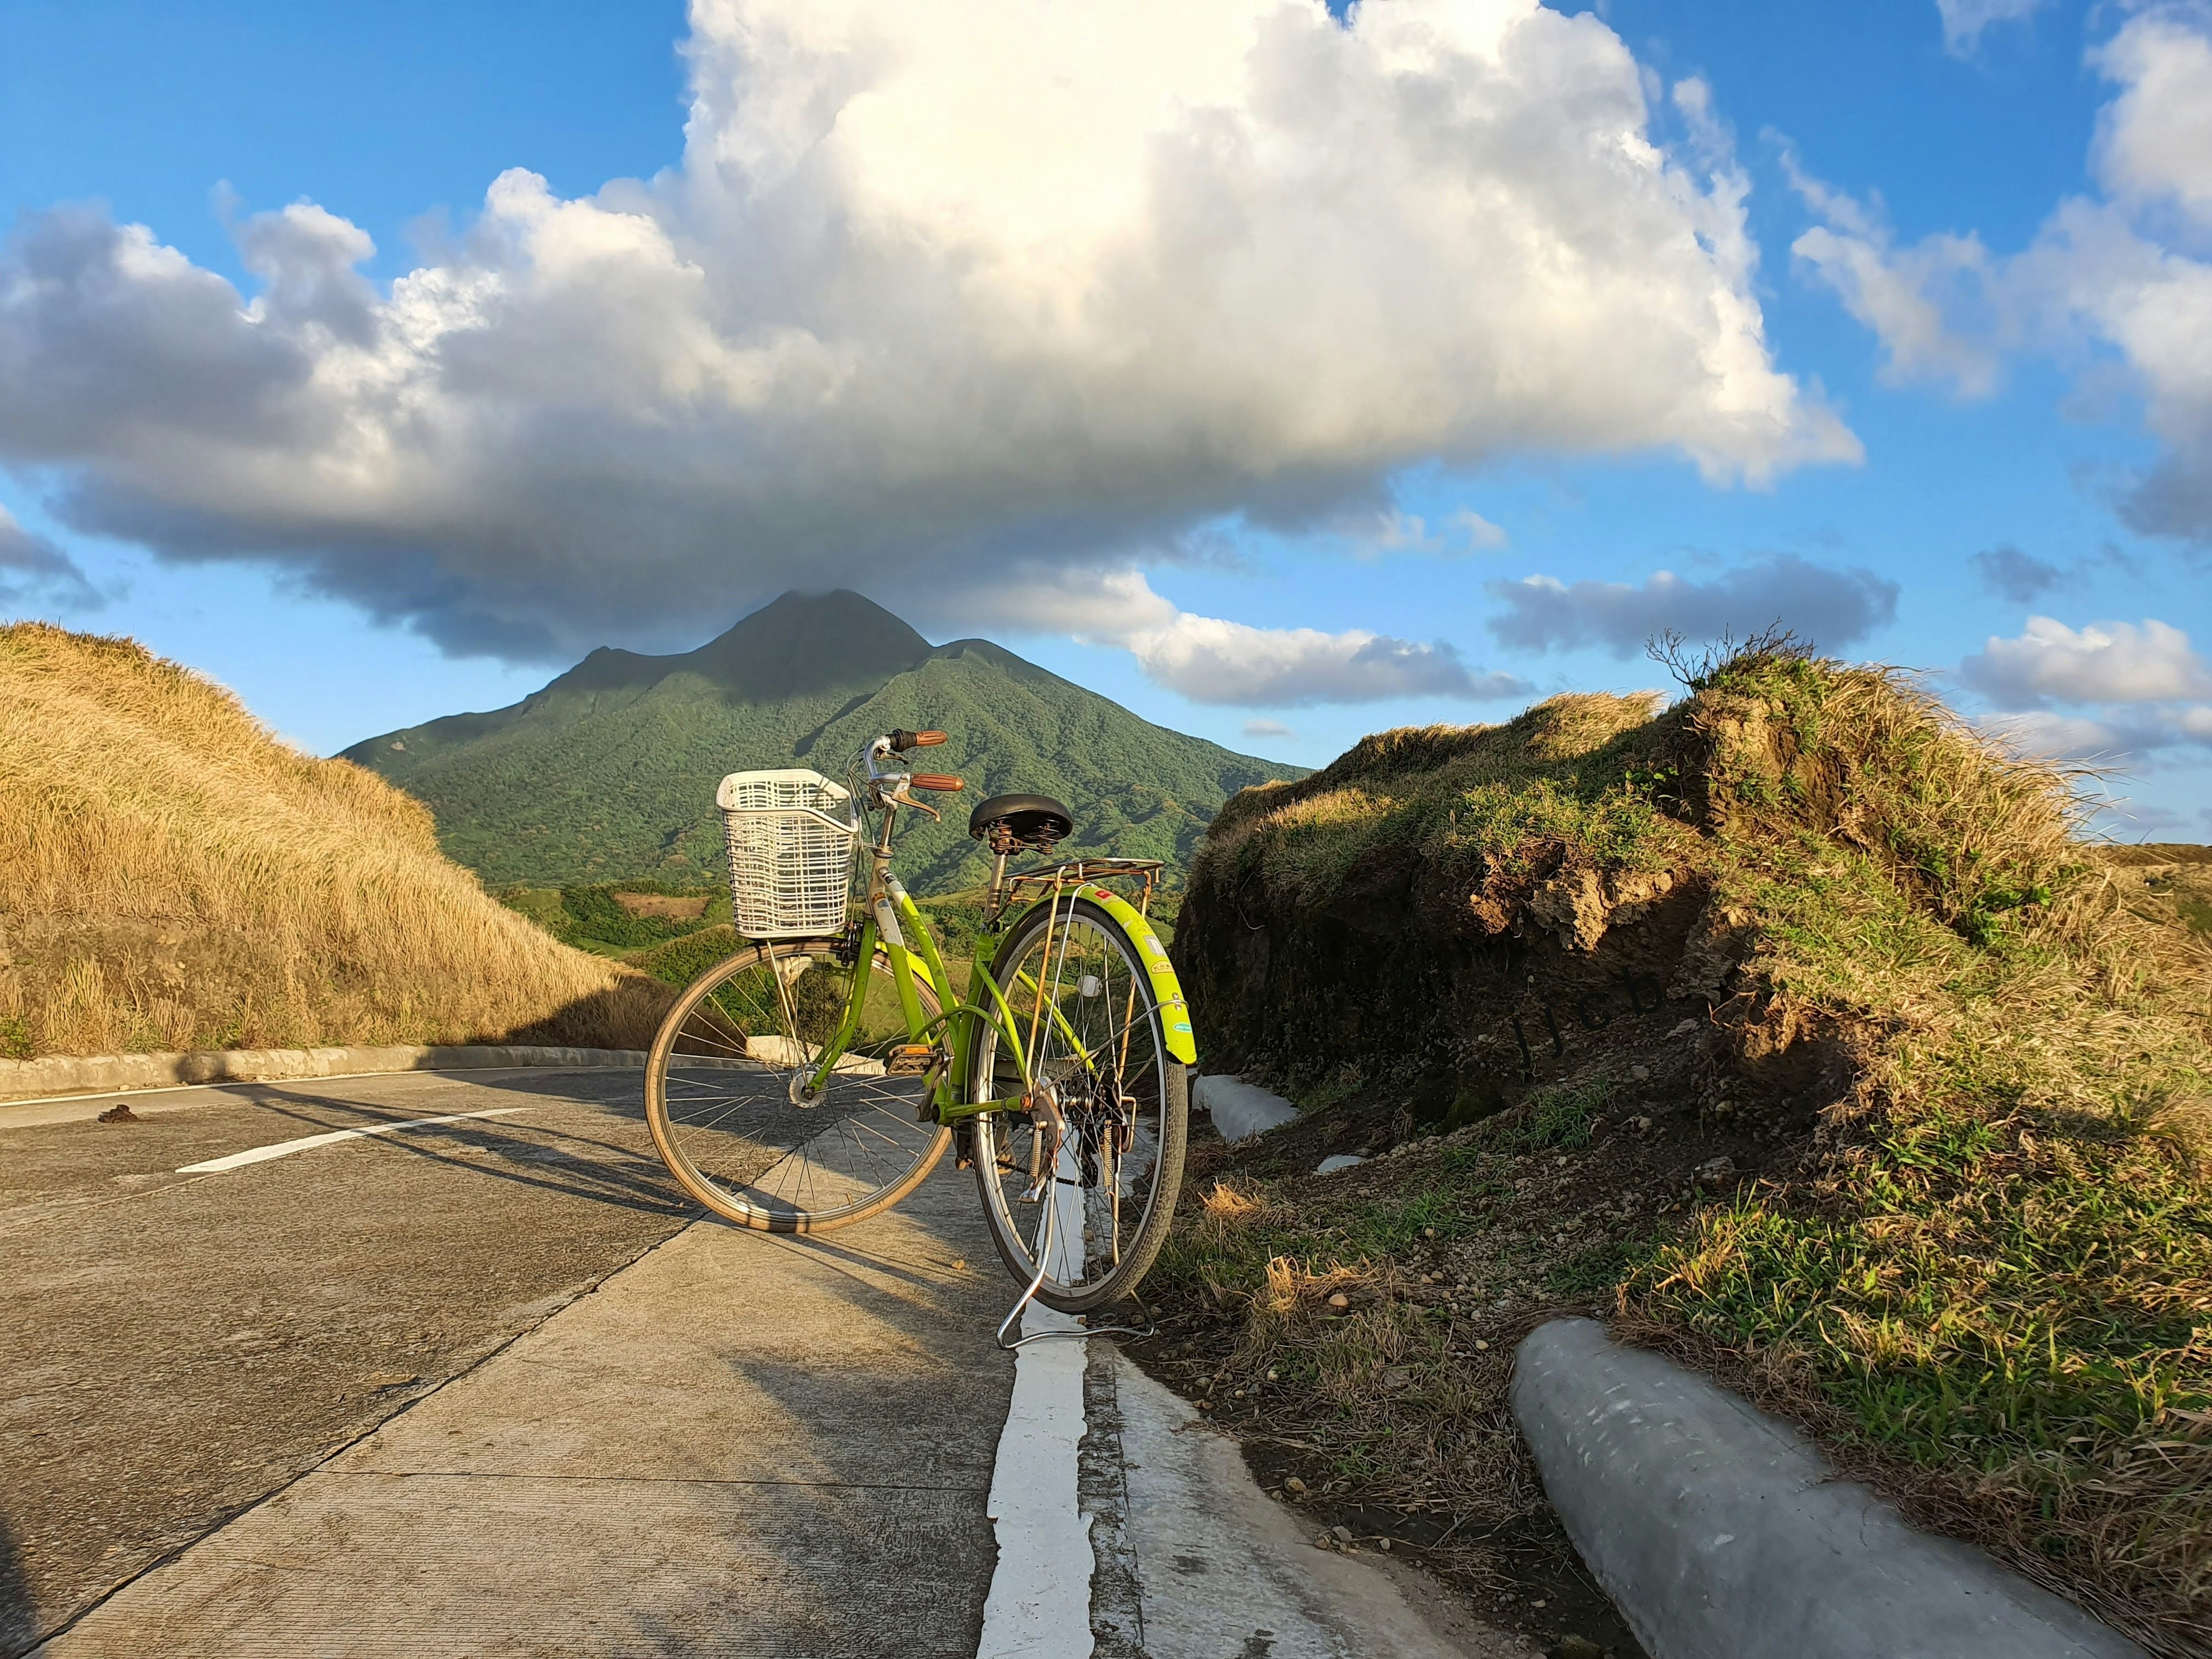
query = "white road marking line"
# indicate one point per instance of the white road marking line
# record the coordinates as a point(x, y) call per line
point(286, 1148)
point(1039, 1607)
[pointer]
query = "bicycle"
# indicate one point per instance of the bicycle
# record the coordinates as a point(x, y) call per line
point(816, 1077)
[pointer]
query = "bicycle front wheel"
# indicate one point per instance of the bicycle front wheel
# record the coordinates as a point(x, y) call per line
point(1091, 1196)
point(728, 1098)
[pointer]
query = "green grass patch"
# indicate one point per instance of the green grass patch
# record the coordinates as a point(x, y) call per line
point(1600, 1267)
point(1561, 1115)
point(592, 917)
point(1576, 781)
point(2195, 911)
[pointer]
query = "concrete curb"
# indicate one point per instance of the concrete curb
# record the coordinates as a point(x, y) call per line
point(1721, 1532)
point(57, 1076)
point(1239, 1109)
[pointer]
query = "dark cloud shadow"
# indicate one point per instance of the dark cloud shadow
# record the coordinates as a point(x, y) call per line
point(1829, 607)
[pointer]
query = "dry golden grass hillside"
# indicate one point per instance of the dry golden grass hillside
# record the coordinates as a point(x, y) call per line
point(171, 875)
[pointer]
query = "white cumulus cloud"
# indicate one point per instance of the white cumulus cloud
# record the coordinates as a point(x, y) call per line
point(2154, 139)
point(1211, 660)
point(2132, 688)
point(1964, 20)
point(1909, 298)
point(2105, 662)
point(940, 292)
point(1481, 534)
point(2115, 737)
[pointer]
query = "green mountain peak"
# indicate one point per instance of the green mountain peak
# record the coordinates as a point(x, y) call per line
point(608, 772)
point(797, 644)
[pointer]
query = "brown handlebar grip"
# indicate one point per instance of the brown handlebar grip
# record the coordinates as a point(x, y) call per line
point(928, 739)
point(938, 781)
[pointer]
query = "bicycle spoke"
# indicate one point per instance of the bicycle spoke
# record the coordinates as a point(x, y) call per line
point(1088, 1033)
point(762, 1141)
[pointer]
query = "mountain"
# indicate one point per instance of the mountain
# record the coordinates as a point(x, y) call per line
point(609, 772)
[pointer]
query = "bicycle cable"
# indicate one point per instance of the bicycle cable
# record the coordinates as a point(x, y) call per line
point(1044, 1259)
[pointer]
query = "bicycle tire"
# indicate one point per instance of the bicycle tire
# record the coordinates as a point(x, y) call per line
point(741, 1102)
point(1159, 1084)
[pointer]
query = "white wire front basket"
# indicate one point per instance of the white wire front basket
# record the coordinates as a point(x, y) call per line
point(791, 862)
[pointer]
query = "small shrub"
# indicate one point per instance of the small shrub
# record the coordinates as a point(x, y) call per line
point(1561, 1115)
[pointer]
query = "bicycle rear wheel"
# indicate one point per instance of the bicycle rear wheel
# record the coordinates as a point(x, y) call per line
point(1096, 1210)
point(727, 1098)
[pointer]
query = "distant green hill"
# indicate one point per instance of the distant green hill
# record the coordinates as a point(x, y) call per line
point(609, 772)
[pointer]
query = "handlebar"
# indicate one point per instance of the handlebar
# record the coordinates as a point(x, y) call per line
point(889, 784)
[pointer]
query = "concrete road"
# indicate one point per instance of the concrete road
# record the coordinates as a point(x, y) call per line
point(173, 1348)
point(484, 1387)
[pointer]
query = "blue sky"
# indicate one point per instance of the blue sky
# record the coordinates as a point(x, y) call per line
point(1916, 401)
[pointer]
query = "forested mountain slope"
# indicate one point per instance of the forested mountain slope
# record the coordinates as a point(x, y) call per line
point(610, 770)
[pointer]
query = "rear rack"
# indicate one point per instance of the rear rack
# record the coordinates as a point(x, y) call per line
point(1074, 873)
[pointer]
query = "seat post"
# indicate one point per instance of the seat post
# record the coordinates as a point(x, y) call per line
point(1002, 846)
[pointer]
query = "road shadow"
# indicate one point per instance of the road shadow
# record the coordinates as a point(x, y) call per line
point(617, 1091)
point(626, 1176)
point(19, 1617)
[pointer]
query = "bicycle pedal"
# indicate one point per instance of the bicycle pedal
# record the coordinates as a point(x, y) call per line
point(912, 1059)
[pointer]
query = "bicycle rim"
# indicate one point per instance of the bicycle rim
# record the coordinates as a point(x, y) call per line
point(727, 1101)
point(1097, 1212)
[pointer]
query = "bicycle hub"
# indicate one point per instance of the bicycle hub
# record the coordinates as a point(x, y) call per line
point(1043, 1104)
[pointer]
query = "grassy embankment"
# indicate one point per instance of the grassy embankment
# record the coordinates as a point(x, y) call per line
point(1914, 1152)
point(2167, 883)
point(621, 920)
point(171, 877)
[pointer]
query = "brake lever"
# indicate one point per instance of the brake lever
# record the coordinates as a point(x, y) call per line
point(901, 797)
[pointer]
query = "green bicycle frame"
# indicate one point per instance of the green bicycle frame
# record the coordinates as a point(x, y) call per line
point(882, 925)
point(892, 919)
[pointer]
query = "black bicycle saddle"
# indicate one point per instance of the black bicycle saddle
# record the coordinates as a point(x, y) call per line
point(1033, 820)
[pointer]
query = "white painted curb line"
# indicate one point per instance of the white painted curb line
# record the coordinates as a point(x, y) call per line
point(1039, 1607)
point(58, 1077)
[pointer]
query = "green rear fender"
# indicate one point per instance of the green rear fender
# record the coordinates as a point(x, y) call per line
point(1174, 1010)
